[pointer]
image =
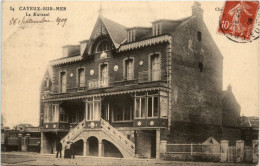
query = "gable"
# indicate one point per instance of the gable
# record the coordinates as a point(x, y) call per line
point(105, 27)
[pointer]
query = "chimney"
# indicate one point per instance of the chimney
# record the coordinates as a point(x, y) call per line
point(196, 10)
point(229, 88)
point(83, 45)
point(70, 50)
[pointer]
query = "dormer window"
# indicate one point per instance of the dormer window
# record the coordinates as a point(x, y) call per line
point(131, 35)
point(157, 29)
point(104, 45)
point(47, 82)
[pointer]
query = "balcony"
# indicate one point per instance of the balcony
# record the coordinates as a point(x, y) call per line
point(98, 83)
point(144, 79)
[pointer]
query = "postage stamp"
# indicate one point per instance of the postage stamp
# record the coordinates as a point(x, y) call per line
point(238, 20)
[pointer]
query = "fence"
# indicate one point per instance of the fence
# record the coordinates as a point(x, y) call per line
point(193, 149)
point(212, 152)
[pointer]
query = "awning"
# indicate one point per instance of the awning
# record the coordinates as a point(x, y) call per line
point(146, 42)
point(66, 60)
point(106, 94)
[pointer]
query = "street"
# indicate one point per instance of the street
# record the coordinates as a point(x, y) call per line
point(27, 158)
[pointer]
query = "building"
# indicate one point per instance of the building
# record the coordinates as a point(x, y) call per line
point(124, 90)
point(249, 129)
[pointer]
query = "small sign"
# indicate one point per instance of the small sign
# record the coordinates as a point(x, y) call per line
point(141, 63)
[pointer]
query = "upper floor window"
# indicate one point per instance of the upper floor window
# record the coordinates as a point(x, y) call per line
point(122, 112)
point(153, 106)
point(103, 45)
point(93, 109)
point(199, 36)
point(51, 113)
point(157, 29)
point(81, 77)
point(63, 82)
point(131, 35)
point(63, 115)
point(129, 69)
point(103, 75)
point(155, 67)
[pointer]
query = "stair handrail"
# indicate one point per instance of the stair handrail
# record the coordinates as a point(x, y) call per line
point(125, 142)
point(73, 133)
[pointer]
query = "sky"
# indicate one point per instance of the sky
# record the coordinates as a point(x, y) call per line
point(26, 49)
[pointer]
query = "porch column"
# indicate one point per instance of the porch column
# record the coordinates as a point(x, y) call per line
point(157, 144)
point(86, 148)
point(100, 149)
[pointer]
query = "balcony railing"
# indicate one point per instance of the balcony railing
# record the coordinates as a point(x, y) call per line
point(98, 83)
point(141, 77)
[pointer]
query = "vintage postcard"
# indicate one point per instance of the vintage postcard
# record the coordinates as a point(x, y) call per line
point(129, 83)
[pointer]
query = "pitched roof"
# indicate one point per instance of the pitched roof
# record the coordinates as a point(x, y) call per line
point(251, 121)
point(117, 32)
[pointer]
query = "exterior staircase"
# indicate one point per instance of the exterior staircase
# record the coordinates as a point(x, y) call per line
point(118, 137)
point(108, 130)
point(73, 133)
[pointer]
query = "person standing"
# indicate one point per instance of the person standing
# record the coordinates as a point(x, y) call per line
point(72, 150)
point(67, 150)
point(58, 149)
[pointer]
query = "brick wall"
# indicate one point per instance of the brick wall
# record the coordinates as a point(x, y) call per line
point(112, 60)
point(196, 94)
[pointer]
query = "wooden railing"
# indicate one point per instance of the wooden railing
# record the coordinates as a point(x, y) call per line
point(118, 136)
point(73, 133)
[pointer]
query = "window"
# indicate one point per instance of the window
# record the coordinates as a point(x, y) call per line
point(153, 106)
point(104, 45)
point(131, 35)
point(63, 82)
point(199, 36)
point(103, 75)
point(51, 113)
point(140, 107)
point(122, 112)
point(46, 114)
point(157, 29)
point(155, 68)
point(129, 69)
point(150, 104)
point(55, 111)
point(63, 116)
point(93, 111)
point(81, 77)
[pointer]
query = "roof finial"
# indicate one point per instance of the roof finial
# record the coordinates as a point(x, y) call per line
point(100, 9)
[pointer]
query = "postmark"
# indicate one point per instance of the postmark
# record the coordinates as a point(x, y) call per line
point(239, 21)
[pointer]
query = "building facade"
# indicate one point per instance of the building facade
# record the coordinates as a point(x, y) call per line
point(124, 90)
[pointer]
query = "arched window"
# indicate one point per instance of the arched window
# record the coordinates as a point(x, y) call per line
point(103, 45)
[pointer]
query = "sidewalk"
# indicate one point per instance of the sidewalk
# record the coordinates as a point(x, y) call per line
point(24, 158)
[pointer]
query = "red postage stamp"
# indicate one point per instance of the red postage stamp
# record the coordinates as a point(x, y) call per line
point(238, 19)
